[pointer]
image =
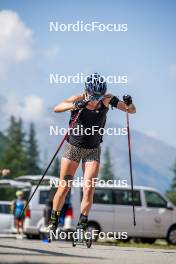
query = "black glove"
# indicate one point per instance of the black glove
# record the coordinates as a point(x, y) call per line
point(127, 99)
point(81, 104)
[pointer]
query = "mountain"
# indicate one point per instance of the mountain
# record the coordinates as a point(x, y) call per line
point(151, 158)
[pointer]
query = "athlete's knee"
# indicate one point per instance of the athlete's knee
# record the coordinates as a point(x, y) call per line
point(60, 194)
point(88, 192)
point(86, 203)
point(69, 180)
point(66, 182)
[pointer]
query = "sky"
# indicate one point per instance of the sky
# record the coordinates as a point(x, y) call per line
point(145, 53)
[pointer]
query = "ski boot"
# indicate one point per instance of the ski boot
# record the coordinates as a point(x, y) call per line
point(51, 229)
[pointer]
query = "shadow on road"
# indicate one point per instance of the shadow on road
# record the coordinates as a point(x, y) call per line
point(148, 250)
point(41, 251)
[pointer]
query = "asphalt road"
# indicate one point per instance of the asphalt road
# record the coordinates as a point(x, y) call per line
point(33, 251)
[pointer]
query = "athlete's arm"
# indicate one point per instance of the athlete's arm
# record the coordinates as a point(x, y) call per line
point(122, 106)
point(67, 104)
point(115, 102)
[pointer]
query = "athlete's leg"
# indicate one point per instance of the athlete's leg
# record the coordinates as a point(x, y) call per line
point(17, 226)
point(21, 225)
point(90, 170)
point(69, 164)
point(67, 171)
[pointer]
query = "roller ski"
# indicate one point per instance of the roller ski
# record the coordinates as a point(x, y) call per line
point(81, 235)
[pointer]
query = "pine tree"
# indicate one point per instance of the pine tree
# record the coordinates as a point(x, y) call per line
point(106, 170)
point(171, 194)
point(3, 141)
point(14, 154)
point(173, 185)
point(32, 165)
point(55, 170)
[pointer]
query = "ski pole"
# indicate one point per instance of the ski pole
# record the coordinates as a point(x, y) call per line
point(130, 163)
point(59, 147)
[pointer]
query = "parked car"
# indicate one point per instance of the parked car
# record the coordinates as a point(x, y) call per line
point(34, 179)
point(8, 190)
point(9, 187)
point(6, 218)
point(112, 211)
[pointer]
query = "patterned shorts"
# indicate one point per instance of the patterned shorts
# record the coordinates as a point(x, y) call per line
point(72, 152)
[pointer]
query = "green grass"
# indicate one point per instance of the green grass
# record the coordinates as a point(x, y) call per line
point(159, 244)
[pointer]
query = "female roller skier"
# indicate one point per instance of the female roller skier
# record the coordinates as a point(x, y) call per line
point(94, 103)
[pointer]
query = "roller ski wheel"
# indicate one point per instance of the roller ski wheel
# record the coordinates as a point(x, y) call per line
point(79, 237)
point(73, 242)
point(89, 242)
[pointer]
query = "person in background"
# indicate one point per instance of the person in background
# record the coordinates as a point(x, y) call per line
point(4, 172)
point(17, 208)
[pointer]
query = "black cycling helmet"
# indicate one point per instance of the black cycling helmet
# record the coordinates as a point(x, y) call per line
point(95, 85)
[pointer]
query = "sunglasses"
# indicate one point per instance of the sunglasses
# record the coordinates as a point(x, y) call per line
point(96, 97)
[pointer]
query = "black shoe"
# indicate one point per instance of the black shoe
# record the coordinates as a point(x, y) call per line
point(51, 229)
point(80, 231)
point(82, 225)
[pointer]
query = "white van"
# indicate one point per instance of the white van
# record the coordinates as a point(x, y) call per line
point(6, 218)
point(112, 212)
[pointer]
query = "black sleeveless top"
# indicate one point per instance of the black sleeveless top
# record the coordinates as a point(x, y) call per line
point(87, 120)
